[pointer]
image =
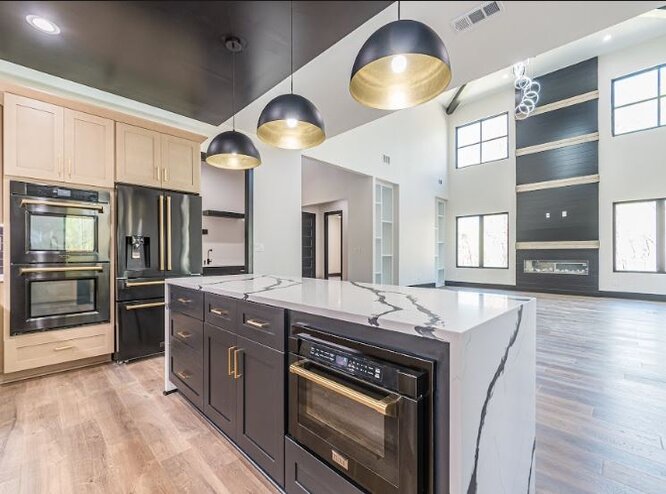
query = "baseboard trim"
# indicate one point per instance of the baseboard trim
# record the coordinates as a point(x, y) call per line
point(649, 297)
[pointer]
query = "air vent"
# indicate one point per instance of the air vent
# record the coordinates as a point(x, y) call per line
point(474, 16)
point(386, 159)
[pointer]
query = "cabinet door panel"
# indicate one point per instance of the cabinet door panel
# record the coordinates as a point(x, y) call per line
point(260, 407)
point(137, 155)
point(181, 163)
point(89, 149)
point(33, 144)
point(219, 386)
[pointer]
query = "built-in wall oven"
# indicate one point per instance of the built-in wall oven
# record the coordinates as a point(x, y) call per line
point(363, 410)
point(60, 240)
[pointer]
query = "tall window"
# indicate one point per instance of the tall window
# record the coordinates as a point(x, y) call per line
point(640, 236)
point(482, 141)
point(483, 241)
point(639, 101)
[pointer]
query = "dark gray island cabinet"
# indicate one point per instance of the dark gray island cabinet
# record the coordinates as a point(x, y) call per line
point(227, 358)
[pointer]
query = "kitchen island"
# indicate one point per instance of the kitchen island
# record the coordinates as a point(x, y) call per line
point(482, 346)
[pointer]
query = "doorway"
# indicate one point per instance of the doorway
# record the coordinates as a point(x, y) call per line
point(333, 245)
point(309, 243)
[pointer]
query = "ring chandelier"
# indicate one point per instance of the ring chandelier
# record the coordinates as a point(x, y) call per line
point(529, 91)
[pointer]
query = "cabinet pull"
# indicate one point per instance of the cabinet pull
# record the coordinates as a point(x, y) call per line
point(183, 375)
point(130, 284)
point(168, 226)
point(184, 334)
point(148, 305)
point(69, 167)
point(165, 174)
point(220, 312)
point(230, 369)
point(256, 323)
point(184, 300)
point(161, 221)
point(61, 348)
point(236, 373)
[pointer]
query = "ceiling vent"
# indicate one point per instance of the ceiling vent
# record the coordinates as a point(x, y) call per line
point(386, 159)
point(474, 16)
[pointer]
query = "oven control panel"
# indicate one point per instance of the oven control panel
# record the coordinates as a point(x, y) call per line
point(349, 363)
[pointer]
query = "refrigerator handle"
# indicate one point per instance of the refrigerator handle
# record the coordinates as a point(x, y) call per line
point(161, 221)
point(168, 228)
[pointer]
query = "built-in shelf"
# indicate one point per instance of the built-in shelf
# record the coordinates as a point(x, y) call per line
point(223, 214)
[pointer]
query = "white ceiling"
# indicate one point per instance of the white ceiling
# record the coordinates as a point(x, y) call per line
point(523, 30)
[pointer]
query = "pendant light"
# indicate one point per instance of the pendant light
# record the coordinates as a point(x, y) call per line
point(291, 121)
point(403, 64)
point(233, 150)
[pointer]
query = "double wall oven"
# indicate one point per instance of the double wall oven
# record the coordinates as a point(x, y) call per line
point(60, 242)
point(363, 410)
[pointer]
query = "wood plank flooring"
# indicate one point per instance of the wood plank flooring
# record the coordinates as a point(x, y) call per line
point(601, 417)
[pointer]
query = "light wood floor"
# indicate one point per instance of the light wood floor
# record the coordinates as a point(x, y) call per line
point(601, 417)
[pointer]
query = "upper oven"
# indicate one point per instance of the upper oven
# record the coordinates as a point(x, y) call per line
point(54, 224)
point(361, 410)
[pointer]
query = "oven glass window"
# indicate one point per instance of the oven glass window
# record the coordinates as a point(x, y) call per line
point(62, 233)
point(52, 298)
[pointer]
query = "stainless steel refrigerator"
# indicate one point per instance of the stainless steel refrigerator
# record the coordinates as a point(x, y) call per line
point(158, 236)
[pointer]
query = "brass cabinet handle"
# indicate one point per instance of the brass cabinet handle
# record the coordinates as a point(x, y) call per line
point(183, 375)
point(61, 348)
point(165, 174)
point(60, 269)
point(69, 167)
point(220, 312)
point(149, 305)
point(386, 406)
point(161, 221)
point(236, 373)
point(230, 369)
point(62, 204)
point(168, 226)
point(257, 323)
point(184, 300)
point(130, 284)
point(184, 334)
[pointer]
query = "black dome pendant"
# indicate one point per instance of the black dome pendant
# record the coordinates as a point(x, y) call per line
point(231, 149)
point(402, 64)
point(291, 121)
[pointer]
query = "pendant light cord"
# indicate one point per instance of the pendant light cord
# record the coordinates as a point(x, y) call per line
point(233, 90)
point(398, 9)
point(291, 42)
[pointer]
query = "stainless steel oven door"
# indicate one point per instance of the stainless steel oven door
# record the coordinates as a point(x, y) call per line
point(46, 230)
point(369, 434)
point(47, 296)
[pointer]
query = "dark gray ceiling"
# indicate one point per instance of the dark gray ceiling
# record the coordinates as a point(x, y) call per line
point(170, 54)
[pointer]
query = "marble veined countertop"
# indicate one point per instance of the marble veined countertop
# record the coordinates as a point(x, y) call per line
point(428, 312)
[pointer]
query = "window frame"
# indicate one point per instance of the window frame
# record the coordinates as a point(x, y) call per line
point(658, 98)
point(481, 141)
point(481, 242)
point(661, 236)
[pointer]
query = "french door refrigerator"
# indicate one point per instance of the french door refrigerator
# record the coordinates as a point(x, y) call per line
point(158, 237)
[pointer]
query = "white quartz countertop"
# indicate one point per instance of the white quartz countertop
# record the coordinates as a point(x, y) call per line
point(428, 312)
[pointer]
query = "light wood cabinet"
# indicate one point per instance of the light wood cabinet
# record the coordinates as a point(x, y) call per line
point(89, 149)
point(181, 164)
point(34, 138)
point(138, 156)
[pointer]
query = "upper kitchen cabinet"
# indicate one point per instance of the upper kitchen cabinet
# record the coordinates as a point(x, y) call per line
point(181, 164)
point(89, 149)
point(34, 138)
point(137, 156)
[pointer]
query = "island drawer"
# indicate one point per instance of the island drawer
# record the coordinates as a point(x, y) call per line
point(305, 474)
point(186, 301)
point(186, 330)
point(186, 371)
point(262, 323)
point(221, 311)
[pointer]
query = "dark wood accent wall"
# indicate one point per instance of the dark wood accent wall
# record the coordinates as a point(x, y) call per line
point(568, 162)
point(539, 212)
point(559, 282)
point(581, 203)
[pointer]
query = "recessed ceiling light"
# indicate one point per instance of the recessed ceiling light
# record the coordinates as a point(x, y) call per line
point(42, 24)
point(607, 38)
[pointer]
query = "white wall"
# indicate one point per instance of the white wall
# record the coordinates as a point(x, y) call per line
point(331, 188)
point(416, 141)
point(631, 166)
point(480, 189)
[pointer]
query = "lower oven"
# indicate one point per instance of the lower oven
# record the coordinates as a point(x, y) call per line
point(48, 296)
point(365, 416)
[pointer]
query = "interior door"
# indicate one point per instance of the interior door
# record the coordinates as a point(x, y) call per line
point(183, 234)
point(219, 381)
point(89, 149)
point(309, 243)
